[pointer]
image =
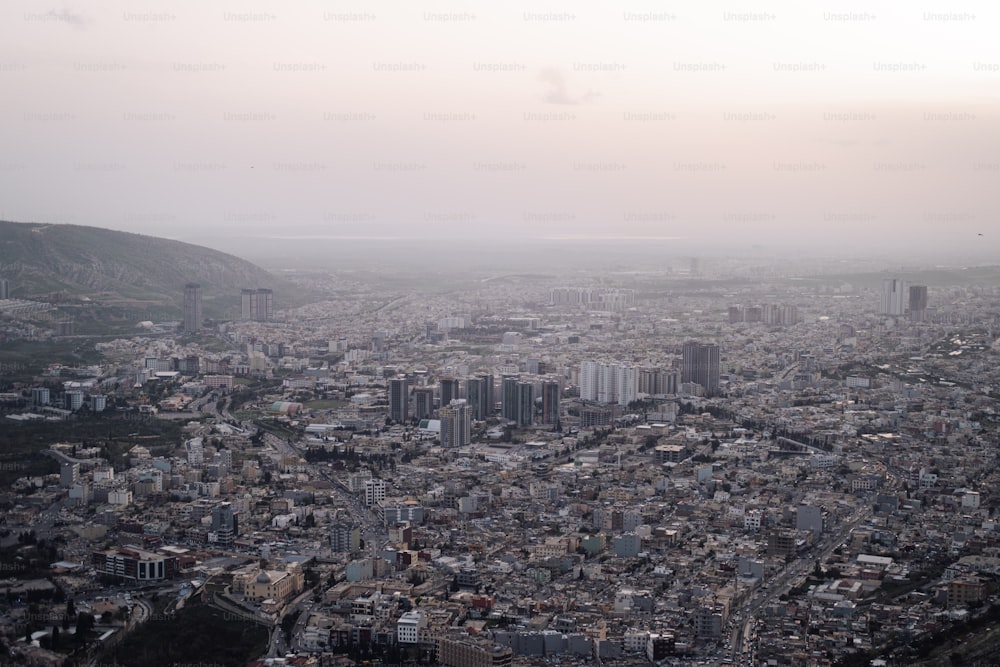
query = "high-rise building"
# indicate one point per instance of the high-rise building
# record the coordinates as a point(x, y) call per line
point(508, 396)
point(918, 303)
point(423, 402)
point(479, 393)
point(399, 400)
point(700, 364)
point(69, 473)
point(345, 538)
point(449, 388)
point(525, 404)
point(248, 304)
point(256, 304)
point(4, 288)
point(627, 385)
point(265, 304)
point(551, 392)
point(608, 382)
point(195, 451)
point(374, 491)
point(535, 367)
point(73, 400)
point(40, 396)
point(588, 380)
point(894, 295)
point(657, 381)
point(225, 523)
point(192, 307)
point(456, 423)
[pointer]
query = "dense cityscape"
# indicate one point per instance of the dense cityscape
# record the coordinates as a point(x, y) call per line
point(493, 335)
point(713, 463)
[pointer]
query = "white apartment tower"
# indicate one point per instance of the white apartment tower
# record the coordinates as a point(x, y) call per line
point(894, 297)
point(608, 383)
point(374, 491)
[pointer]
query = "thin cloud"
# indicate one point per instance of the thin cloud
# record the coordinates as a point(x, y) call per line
point(557, 92)
point(70, 17)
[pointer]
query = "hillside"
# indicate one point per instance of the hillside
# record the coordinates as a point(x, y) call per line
point(115, 267)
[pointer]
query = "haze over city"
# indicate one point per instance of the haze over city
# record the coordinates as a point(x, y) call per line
point(260, 127)
point(487, 335)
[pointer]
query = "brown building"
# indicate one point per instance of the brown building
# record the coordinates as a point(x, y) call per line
point(470, 653)
point(963, 591)
point(780, 542)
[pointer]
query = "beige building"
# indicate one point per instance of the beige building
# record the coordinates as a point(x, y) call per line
point(963, 591)
point(257, 584)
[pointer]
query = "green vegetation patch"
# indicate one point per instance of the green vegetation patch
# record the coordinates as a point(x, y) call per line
point(197, 634)
point(24, 442)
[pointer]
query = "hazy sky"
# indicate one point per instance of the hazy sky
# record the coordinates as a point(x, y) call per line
point(850, 123)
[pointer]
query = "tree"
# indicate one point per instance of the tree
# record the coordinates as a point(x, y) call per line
point(288, 624)
point(70, 613)
point(84, 624)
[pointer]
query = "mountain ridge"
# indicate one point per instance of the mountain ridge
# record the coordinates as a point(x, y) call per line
point(40, 259)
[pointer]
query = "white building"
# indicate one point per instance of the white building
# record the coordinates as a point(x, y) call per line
point(408, 627)
point(608, 383)
point(895, 296)
point(120, 497)
point(195, 451)
point(970, 500)
point(374, 491)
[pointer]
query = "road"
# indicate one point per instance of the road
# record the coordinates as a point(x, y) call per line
point(374, 533)
point(788, 578)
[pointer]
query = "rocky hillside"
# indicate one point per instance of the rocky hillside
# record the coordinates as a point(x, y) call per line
point(42, 259)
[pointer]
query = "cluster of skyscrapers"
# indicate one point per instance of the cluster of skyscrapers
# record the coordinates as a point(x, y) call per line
point(622, 384)
point(257, 304)
point(772, 313)
point(595, 298)
point(608, 382)
point(899, 299)
point(518, 402)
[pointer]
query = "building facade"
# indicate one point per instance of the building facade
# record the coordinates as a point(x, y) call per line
point(894, 297)
point(399, 400)
point(192, 308)
point(700, 365)
point(456, 424)
point(551, 392)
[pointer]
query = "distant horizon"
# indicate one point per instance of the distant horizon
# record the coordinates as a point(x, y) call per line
point(268, 249)
point(708, 122)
